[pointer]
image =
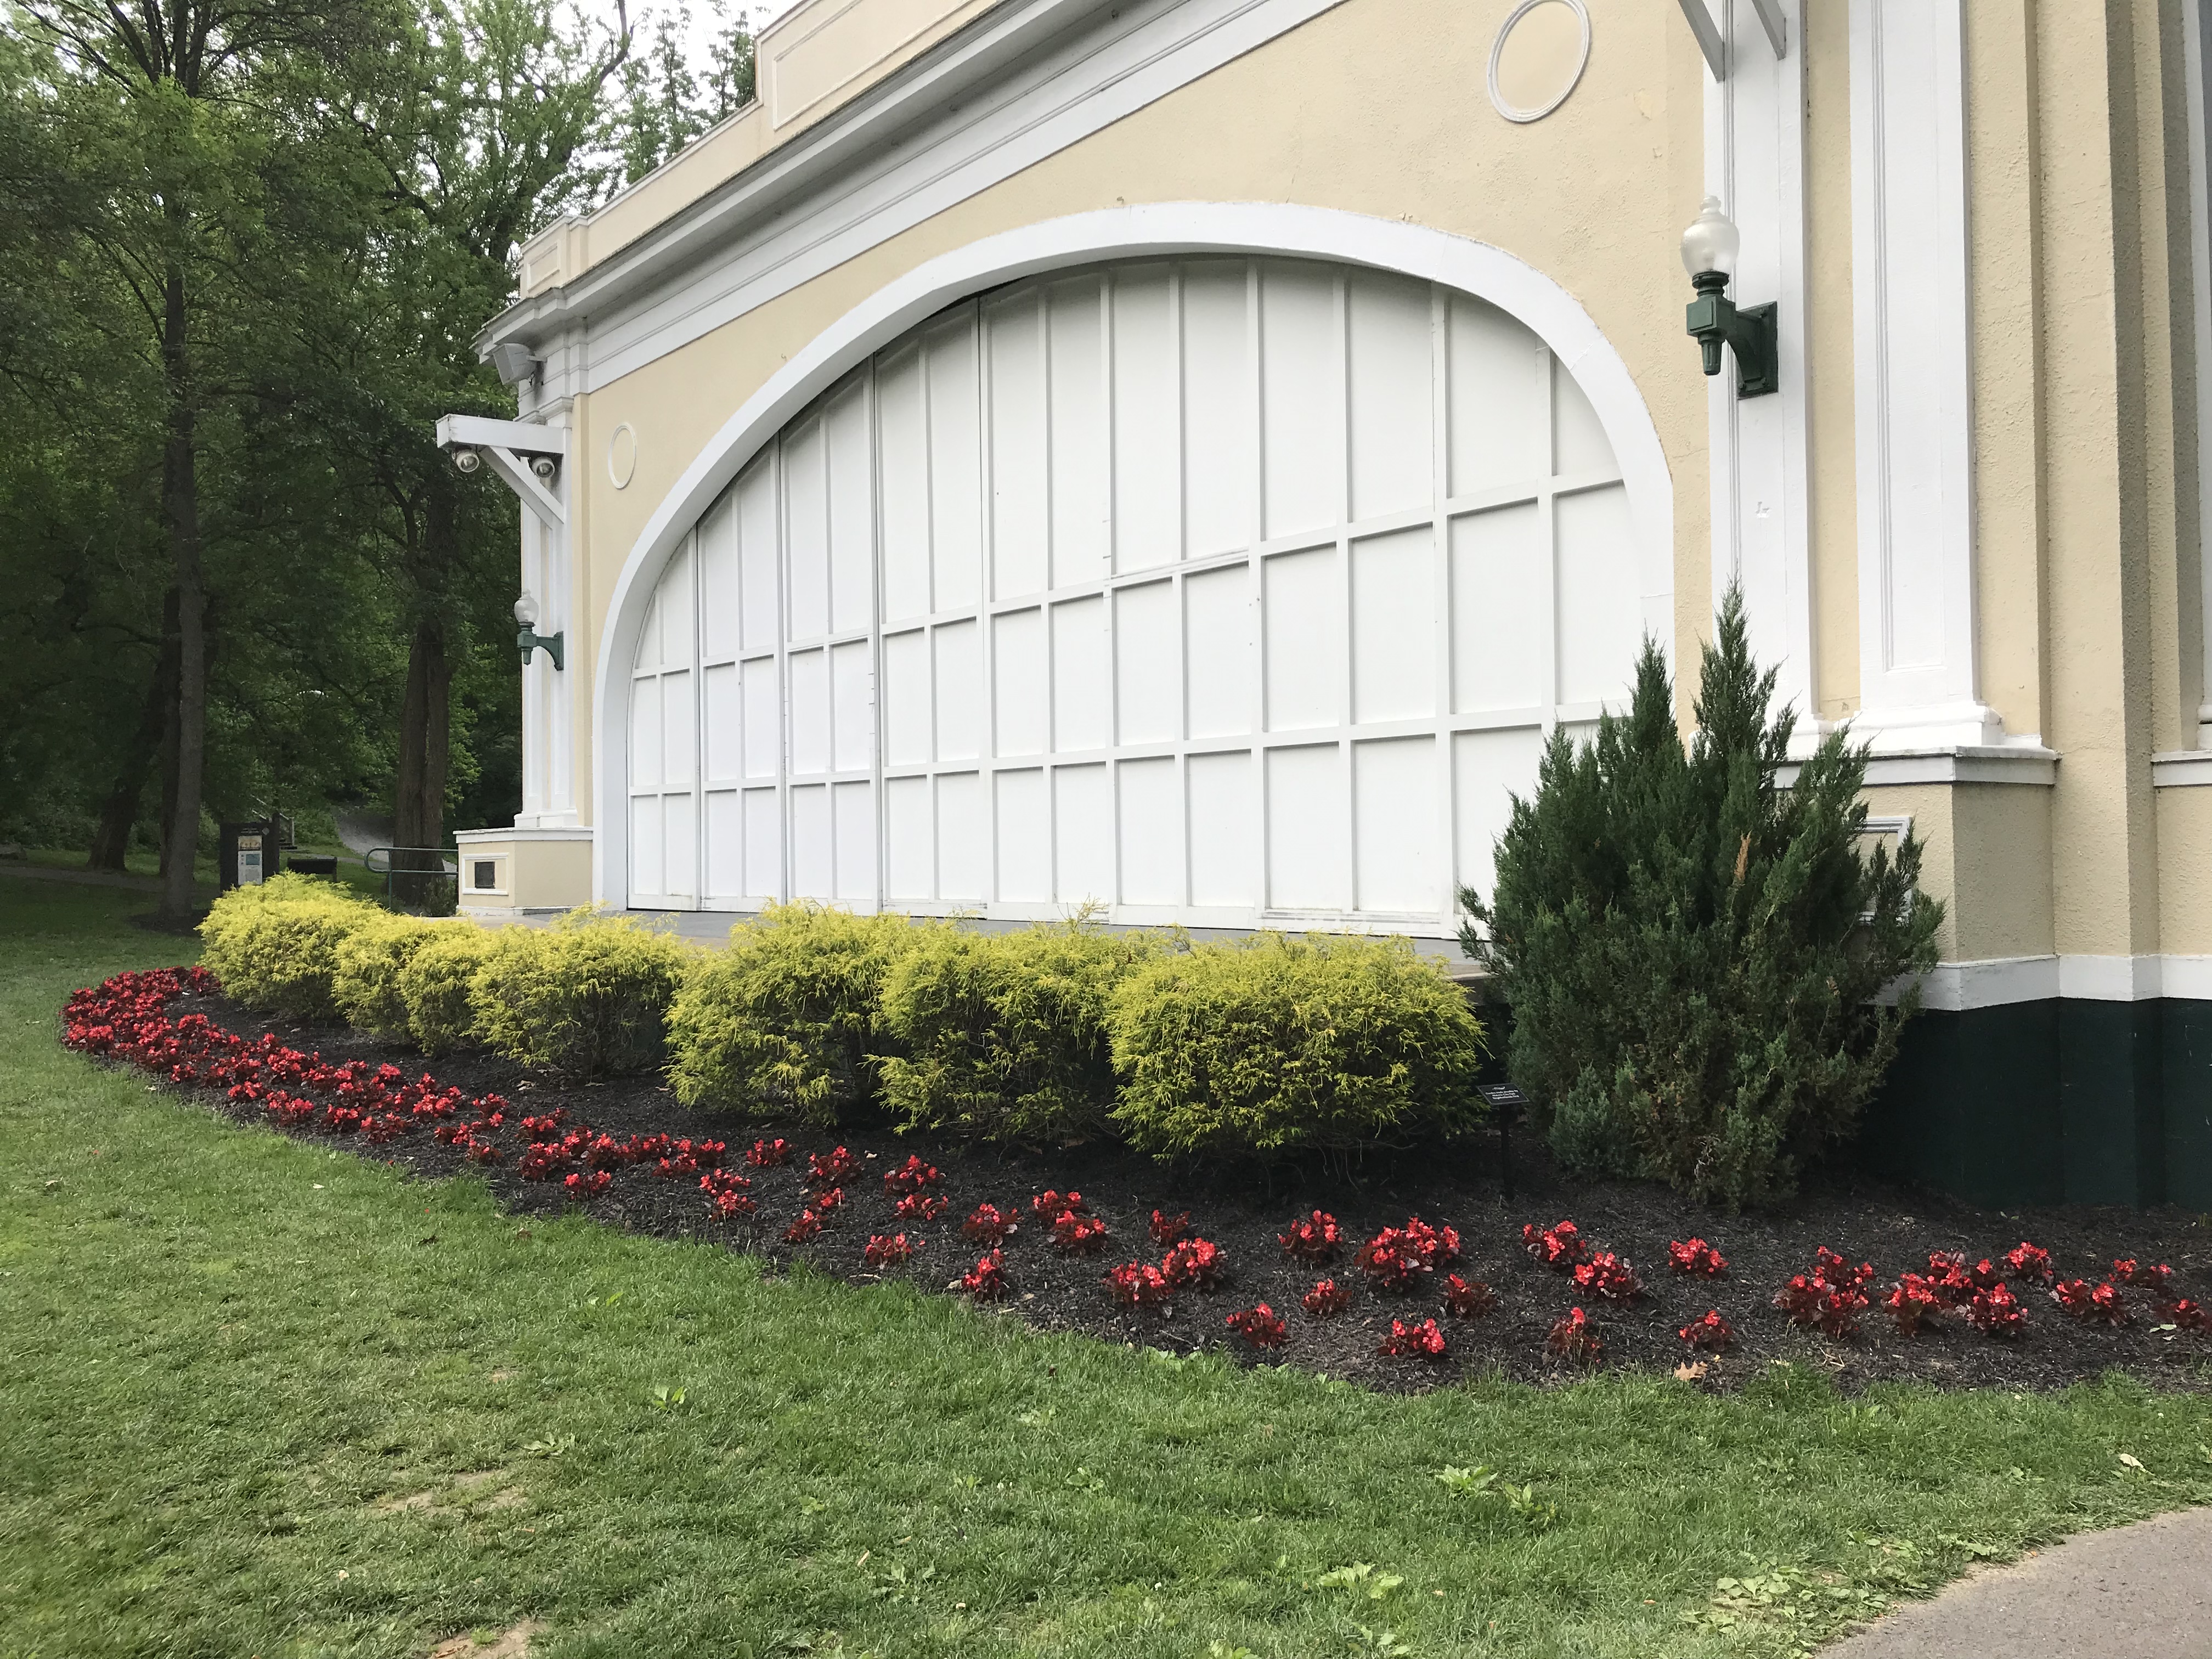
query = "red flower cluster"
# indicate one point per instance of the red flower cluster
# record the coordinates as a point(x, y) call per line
point(686, 1157)
point(726, 1194)
point(586, 1185)
point(828, 1199)
point(1327, 1299)
point(1314, 1239)
point(1575, 1338)
point(2159, 1280)
point(1262, 1326)
point(832, 1171)
point(1139, 1284)
point(1469, 1298)
point(920, 1206)
point(1396, 1256)
point(911, 1176)
point(767, 1154)
point(1560, 1247)
point(1950, 1277)
point(1195, 1261)
point(2190, 1317)
point(987, 1281)
point(990, 1225)
point(1423, 1341)
point(1078, 1234)
point(890, 1252)
point(1914, 1300)
point(1049, 1203)
point(1608, 1275)
point(1712, 1332)
point(1996, 1312)
point(1830, 1297)
point(807, 1228)
point(1168, 1229)
point(1694, 1255)
point(2103, 1301)
point(2027, 1262)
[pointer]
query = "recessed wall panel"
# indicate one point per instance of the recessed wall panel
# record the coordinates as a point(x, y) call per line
point(1600, 618)
point(1394, 627)
point(1488, 768)
point(760, 556)
point(852, 693)
point(1495, 401)
point(852, 510)
point(908, 719)
point(648, 868)
point(1220, 652)
point(1220, 409)
point(959, 652)
point(1082, 834)
point(1148, 663)
point(1021, 690)
point(679, 822)
point(763, 816)
point(1147, 424)
point(1305, 626)
point(1301, 398)
point(910, 841)
point(1020, 456)
point(722, 741)
point(720, 604)
point(1025, 837)
point(902, 484)
point(956, 465)
point(1396, 865)
point(1224, 858)
point(1579, 445)
point(813, 853)
point(963, 839)
point(1499, 569)
point(763, 716)
point(1149, 807)
point(810, 711)
point(680, 735)
point(1082, 676)
point(806, 528)
point(723, 847)
point(852, 807)
point(1081, 506)
point(1392, 397)
point(1309, 830)
point(645, 753)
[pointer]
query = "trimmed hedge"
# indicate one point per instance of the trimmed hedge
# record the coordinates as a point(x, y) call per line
point(786, 1018)
point(435, 985)
point(275, 946)
point(588, 996)
point(370, 960)
point(1006, 1034)
point(1277, 1045)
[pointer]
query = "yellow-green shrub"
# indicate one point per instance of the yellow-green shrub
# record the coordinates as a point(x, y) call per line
point(1276, 1044)
point(435, 984)
point(786, 1020)
point(365, 984)
point(1005, 1034)
point(275, 946)
point(586, 997)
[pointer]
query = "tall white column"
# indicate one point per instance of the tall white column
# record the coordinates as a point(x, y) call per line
point(1762, 506)
point(1918, 676)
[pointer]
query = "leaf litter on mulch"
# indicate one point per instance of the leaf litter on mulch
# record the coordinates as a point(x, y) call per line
point(1244, 1212)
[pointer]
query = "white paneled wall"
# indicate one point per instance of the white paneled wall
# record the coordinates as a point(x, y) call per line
point(1216, 591)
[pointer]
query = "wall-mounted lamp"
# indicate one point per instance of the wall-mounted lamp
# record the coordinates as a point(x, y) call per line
point(526, 613)
point(1708, 251)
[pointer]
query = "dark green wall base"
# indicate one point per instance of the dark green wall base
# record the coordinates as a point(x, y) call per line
point(2063, 1101)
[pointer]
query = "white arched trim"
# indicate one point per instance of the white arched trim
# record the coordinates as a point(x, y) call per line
point(1153, 231)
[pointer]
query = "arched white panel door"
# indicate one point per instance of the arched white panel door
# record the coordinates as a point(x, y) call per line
point(1220, 591)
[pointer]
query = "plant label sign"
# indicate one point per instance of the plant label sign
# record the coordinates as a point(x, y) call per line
point(1501, 1097)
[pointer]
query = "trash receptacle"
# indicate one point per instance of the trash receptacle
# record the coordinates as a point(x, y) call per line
point(312, 863)
point(248, 855)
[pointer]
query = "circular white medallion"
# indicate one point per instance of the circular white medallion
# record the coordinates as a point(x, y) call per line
point(1542, 49)
point(621, 456)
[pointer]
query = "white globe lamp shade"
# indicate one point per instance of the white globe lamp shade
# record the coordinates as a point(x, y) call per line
point(1711, 242)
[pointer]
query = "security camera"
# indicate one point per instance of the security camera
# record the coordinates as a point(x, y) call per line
point(545, 466)
point(467, 460)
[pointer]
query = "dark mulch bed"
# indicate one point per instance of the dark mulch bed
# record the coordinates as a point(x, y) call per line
point(1894, 1227)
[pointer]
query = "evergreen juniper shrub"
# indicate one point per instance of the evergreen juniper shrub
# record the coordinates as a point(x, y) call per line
point(787, 1019)
point(435, 984)
point(587, 997)
point(365, 984)
point(1692, 951)
point(1275, 1045)
point(275, 944)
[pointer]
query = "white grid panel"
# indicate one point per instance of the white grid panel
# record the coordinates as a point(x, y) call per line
point(1222, 592)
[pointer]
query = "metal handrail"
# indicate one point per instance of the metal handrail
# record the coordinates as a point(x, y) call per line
point(448, 870)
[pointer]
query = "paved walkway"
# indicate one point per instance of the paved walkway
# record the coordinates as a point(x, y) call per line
point(2139, 1592)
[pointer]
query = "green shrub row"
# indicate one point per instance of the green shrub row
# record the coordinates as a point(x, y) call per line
point(585, 997)
point(1049, 1034)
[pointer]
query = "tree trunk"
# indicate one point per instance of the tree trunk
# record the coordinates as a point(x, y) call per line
point(180, 513)
point(118, 817)
point(425, 713)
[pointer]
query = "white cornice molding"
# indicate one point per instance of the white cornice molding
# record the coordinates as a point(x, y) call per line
point(1962, 987)
point(2012, 762)
point(2181, 769)
point(1023, 81)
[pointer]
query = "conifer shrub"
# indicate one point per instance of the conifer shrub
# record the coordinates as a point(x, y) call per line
point(1275, 1045)
point(587, 997)
point(274, 946)
point(1003, 1035)
point(365, 984)
point(1692, 951)
point(787, 1020)
point(437, 981)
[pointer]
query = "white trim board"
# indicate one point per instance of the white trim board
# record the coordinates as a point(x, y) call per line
point(2022, 764)
point(2181, 769)
point(1024, 81)
point(1959, 986)
point(1148, 231)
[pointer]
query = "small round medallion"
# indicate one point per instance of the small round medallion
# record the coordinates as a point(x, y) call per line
point(1542, 49)
point(621, 456)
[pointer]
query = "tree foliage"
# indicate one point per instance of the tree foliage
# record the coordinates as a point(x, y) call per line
point(1692, 951)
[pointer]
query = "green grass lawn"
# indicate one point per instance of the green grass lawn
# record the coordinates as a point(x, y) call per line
point(259, 1399)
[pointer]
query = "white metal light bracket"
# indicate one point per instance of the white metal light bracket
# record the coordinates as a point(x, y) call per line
point(512, 448)
point(1700, 17)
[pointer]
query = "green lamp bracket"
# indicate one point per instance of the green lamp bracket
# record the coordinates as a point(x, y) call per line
point(1750, 334)
point(553, 645)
